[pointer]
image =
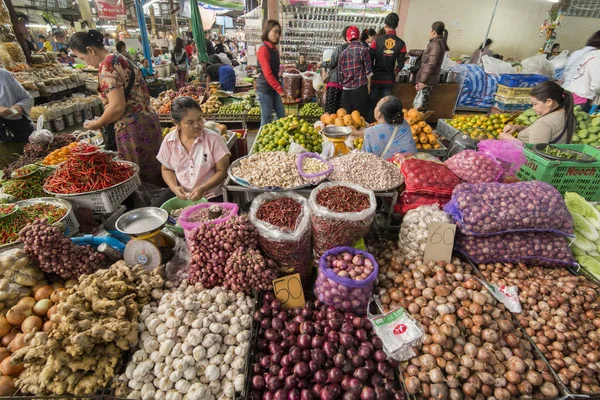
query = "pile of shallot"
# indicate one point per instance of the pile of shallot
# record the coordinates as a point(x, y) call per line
point(348, 265)
point(227, 254)
point(560, 313)
point(471, 348)
point(316, 352)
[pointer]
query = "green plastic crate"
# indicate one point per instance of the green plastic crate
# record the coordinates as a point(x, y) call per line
point(565, 176)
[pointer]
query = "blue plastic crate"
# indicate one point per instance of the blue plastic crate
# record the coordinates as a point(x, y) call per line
point(522, 80)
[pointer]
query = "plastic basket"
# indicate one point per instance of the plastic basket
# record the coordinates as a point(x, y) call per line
point(105, 201)
point(188, 227)
point(510, 107)
point(71, 223)
point(507, 91)
point(446, 130)
point(521, 80)
point(565, 176)
point(174, 204)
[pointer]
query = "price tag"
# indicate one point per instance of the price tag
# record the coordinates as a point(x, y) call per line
point(288, 290)
point(440, 241)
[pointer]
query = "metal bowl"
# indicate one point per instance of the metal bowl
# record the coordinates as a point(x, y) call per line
point(141, 221)
point(337, 131)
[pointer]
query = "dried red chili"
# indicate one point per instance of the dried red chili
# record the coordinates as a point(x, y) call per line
point(282, 212)
point(343, 199)
point(88, 170)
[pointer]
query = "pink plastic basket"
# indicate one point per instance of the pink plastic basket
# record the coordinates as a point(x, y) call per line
point(188, 227)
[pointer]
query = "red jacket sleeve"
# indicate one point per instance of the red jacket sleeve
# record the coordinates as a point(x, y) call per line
point(264, 60)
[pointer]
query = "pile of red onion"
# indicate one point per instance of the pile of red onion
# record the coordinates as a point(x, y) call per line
point(316, 352)
point(348, 265)
point(213, 244)
point(247, 269)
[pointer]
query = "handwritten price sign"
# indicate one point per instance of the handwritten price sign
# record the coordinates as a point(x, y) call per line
point(440, 241)
point(288, 290)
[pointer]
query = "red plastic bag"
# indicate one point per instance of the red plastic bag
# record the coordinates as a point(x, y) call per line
point(428, 177)
point(410, 201)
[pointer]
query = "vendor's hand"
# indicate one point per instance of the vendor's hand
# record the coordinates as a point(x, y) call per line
point(18, 111)
point(197, 193)
point(510, 129)
point(181, 193)
point(506, 136)
point(92, 125)
point(420, 86)
point(5, 112)
point(369, 89)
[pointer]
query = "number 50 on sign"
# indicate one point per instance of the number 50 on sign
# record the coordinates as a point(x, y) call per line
point(288, 290)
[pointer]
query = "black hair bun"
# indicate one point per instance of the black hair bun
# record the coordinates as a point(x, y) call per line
point(96, 36)
point(398, 118)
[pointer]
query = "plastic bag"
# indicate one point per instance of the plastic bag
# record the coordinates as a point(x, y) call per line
point(188, 227)
point(291, 250)
point(345, 294)
point(41, 135)
point(485, 209)
point(509, 153)
point(428, 177)
point(475, 167)
point(332, 229)
point(560, 61)
point(419, 99)
point(410, 201)
point(414, 229)
point(399, 158)
point(537, 64)
point(317, 82)
point(398, 330)
point(292, 81)
point(533, 248)
point(495, 66)
point(176, 269)
point(507, 295)
point(308, 90)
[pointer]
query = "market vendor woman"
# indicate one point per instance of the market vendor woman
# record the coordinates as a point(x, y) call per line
point(392, 133)
point(556, 124)
point(128, 116)
point(194, 160)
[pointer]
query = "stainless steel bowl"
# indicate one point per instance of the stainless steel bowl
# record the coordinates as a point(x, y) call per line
point(141, 221)
point(337, 131)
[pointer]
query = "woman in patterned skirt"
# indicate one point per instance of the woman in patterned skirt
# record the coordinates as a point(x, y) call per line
point(128, 116)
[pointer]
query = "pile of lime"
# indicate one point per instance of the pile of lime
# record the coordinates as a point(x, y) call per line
point(254, 111)
point(311, 110)
point(279, 135)
point(238, 107)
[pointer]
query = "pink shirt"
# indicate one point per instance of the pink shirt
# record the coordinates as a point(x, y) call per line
point(195, 168)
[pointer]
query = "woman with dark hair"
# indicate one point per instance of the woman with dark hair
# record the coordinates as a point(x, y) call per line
point(578, 57)
point(130, 124)
point(334, 90)
point(180, 61)
point(556, 124)
point(367, 36)
point(268, 88)
point(428, 76)
point(194, 160)
point(122, 49)
point(392, 134)
point(483, 50)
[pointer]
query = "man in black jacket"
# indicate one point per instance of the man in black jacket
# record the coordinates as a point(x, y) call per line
point(388, 53)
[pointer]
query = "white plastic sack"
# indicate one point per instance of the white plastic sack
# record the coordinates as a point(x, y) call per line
point(419, 99)
point(494, 66)
point(447, 63)
point(317, 82)
point(539, 65)
point(560, 60)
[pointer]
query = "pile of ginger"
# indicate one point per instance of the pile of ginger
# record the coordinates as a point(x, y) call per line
point(96, 321)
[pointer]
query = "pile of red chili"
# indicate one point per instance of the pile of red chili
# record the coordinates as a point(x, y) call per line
point(11, 225)
point(6, 209)
point(343, 199)
point(282, 212)
point(88, 170)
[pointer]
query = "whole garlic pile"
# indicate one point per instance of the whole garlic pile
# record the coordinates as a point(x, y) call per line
point(366, 170)
point(415, 227)
point(275, 168)
point(193, 345)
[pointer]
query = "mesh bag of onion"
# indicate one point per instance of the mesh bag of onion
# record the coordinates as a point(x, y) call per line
point(475, 167)
point(345, 279)
point(341, 214)
point(531, 248)
point(193, 216)
point(430, 177)
point(283, 224)
point(411, 201)
point(485, 209)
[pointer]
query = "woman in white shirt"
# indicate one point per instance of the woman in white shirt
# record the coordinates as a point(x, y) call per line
point(586, 83)
point(577, 57)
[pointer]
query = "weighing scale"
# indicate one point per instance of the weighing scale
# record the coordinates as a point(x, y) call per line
point(149, 245)
point(338, 135)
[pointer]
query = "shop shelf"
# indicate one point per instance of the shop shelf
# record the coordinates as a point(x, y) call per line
point(565, 176)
